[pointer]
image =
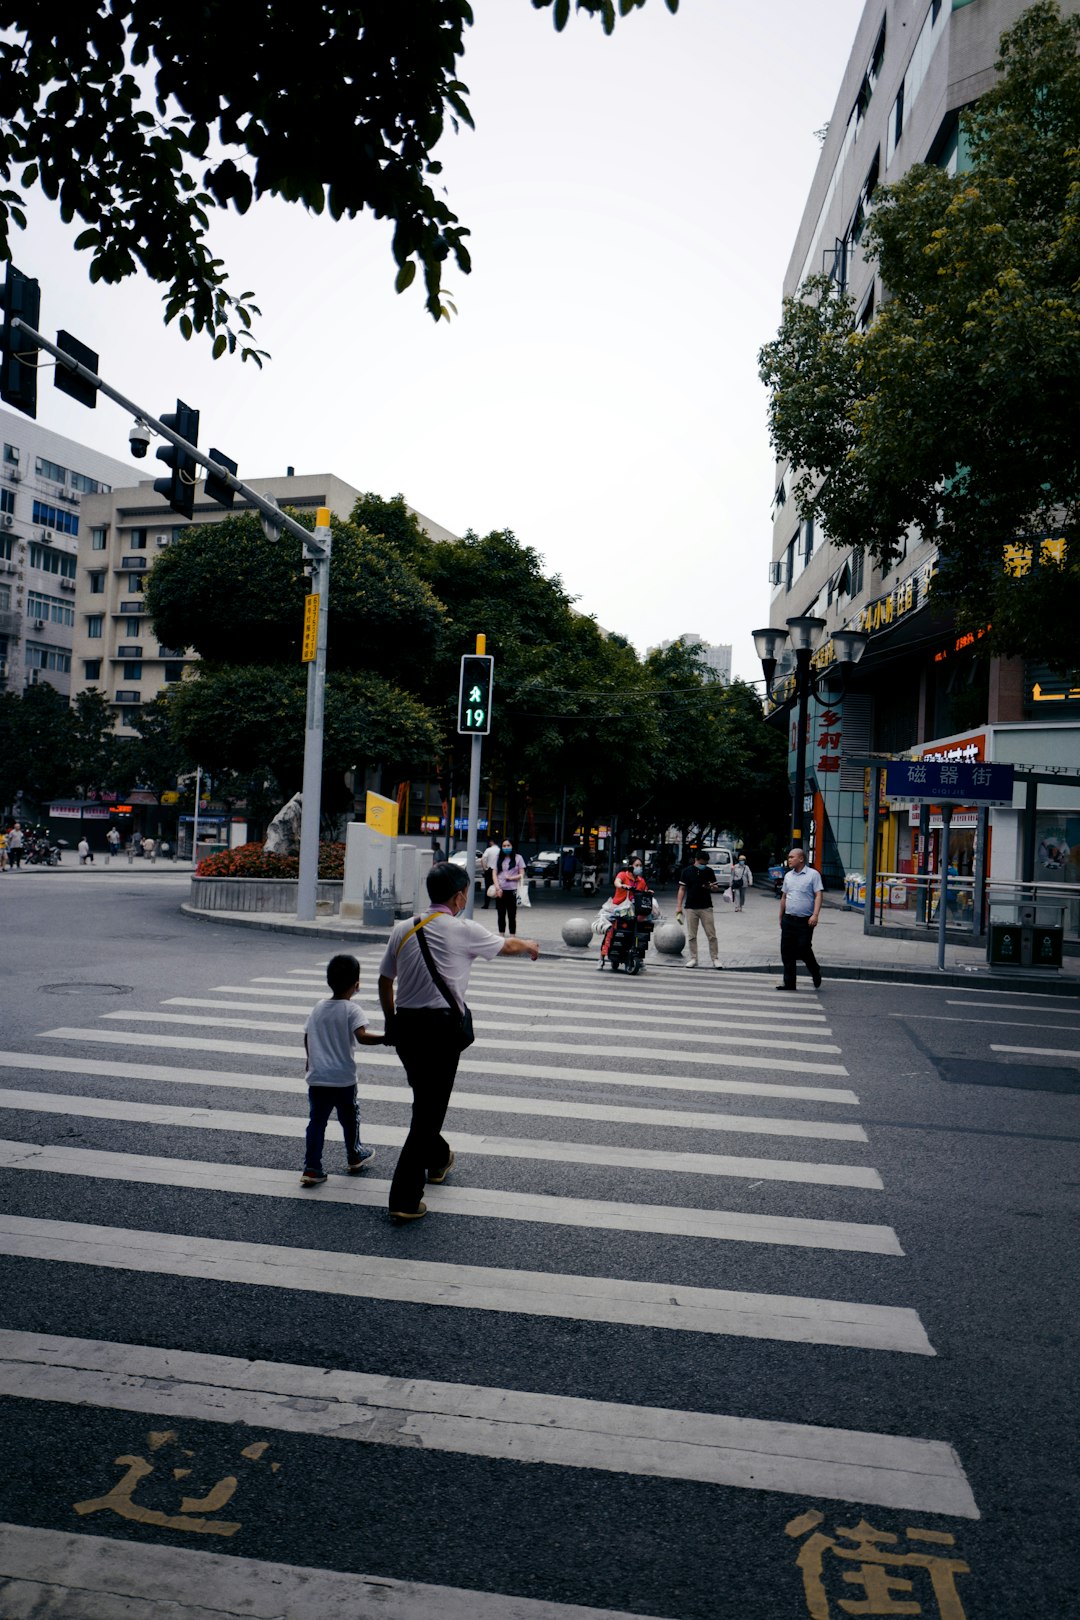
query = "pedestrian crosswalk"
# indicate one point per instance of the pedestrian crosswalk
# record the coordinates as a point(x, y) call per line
point(677, 1166)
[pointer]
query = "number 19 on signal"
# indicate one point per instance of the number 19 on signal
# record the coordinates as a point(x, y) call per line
point(474, 694)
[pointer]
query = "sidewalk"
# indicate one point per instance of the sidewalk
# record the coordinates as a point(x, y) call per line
point(748, 941)
point(69, 862)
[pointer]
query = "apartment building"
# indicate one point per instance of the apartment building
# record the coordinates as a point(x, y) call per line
point(715, 655)
point(45, 479)
point(914, 65)
point(125, 528)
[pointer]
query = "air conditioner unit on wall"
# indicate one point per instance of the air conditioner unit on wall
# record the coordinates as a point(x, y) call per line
point(39, 624)
point(46, 534)
point(8, 519)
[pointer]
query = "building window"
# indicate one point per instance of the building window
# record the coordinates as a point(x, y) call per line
point(52, 562)
point(97, 539)
point(7, 500)
point(132, 627)
point(53, 609)
point(137, 539)
point(133, 672)
point(95, 625)
point(97, 584)
point(5, 596)
point(50, 470)
point(134, 584)
point(125, 695)
point(11, 454)
point(129, 649)
point(174, 672)
point(57, 659)
point(55, 518)
point(789, 562)
point(88, 486)
point(7, 547)
point(91, 669)
point(808, 540)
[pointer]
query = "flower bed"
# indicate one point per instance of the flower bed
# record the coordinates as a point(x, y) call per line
point(252, 861)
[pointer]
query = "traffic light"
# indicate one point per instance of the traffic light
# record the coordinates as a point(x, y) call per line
point(215, 488)
point(18, 361)
point(179, 488)
point(474, 694)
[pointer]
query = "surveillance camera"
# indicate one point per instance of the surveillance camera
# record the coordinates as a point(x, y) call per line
point(139, 439)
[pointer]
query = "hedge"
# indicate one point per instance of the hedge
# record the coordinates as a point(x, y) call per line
point(252, 861)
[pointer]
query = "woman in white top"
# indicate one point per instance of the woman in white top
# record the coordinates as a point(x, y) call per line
point(509, 875)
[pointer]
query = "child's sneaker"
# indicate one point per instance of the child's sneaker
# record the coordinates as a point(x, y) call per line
point(356, 1165)
point(312, 1178)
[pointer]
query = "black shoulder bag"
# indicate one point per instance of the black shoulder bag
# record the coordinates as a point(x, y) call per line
point(463, 1022)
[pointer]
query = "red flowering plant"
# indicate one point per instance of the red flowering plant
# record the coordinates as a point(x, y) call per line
point(252, 861)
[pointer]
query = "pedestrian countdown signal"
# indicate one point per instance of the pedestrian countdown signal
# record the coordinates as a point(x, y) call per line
point(474, 694)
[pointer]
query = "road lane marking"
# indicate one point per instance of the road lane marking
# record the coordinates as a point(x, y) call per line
point(95, 1578)
point(487, 1019)
point(984, 1023)
point(747, 1315)
point(521, 1042)
point(1038, 1051)
point(883, 1470)
point(499, 1147)
point(478, 1101)
point(375, 1058)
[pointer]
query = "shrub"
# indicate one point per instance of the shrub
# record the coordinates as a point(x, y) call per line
point(252, 861)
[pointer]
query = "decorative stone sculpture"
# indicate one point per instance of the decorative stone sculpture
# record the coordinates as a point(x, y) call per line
point(577, 931)
point(283, 833)
point(669, 938)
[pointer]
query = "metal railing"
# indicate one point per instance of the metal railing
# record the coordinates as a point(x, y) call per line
point(910, 899)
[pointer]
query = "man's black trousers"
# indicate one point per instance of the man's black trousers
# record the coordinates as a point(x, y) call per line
point(427, 1041)
point(797, 945)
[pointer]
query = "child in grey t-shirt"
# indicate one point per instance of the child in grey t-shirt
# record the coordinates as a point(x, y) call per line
point(330, 1071)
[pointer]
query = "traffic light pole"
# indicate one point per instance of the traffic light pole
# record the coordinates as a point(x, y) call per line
point(474, 800)
point(268, 508)
point(313, 732)
point(316, 549)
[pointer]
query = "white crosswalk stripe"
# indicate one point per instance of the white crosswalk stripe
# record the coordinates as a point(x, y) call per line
point(502, 1147)
point(552, 1056)
point(470, 1064)
point(836, 1463)
point(478, 1101)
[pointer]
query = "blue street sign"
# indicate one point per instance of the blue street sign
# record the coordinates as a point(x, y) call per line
point(931, 781)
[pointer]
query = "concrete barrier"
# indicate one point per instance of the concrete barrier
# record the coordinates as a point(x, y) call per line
point(260, 894)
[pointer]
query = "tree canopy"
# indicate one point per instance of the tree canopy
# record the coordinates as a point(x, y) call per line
point(139, 118)
point(953, 413)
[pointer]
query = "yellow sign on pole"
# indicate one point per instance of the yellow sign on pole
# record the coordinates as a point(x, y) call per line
point(382, 814)
point(311, 627)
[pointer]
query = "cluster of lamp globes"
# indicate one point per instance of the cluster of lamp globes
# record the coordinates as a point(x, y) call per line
point(803, 633)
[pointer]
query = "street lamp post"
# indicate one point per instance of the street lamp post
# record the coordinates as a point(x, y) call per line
point(804, 633)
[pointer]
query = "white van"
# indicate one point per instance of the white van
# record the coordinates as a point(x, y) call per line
point(721, 859)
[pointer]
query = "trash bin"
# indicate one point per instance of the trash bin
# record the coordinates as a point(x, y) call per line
point(1026, 936)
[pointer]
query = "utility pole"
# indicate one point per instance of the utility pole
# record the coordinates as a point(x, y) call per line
point(474, 720)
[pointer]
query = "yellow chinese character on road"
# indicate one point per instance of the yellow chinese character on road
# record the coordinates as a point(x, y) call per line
point(191, 1515)
point(870, 1578)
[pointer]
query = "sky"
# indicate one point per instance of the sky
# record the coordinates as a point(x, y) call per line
point(633, 201)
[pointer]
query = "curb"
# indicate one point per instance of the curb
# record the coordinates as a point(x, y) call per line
point(952, 977)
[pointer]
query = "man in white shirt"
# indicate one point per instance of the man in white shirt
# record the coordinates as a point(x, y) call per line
point(800, 908)
point(425, 1028)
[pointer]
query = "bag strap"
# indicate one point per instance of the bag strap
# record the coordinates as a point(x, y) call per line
point(425, 951)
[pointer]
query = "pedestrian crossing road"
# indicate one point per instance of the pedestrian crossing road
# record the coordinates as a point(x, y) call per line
point(659, 1311)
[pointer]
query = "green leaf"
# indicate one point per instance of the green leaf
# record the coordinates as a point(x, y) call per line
point(405, 276)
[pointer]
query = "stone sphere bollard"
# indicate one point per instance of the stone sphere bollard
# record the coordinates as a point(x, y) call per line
point(577, 931)
point(669, 939)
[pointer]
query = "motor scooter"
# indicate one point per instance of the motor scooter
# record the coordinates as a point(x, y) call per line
point(588, 880)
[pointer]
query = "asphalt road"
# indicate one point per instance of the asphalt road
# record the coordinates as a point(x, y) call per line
point(737, 1305)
